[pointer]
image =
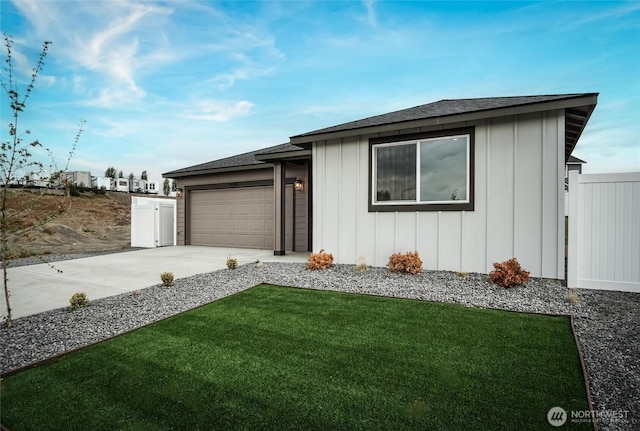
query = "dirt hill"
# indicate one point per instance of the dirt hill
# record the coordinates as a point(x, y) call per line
point(86, 223)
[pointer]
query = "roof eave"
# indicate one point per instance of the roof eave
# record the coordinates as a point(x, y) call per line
point(216, 170)
point(283, 156)
point(584, 100)
point(576, 119)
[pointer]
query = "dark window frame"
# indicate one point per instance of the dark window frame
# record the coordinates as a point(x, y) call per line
point(421, 206)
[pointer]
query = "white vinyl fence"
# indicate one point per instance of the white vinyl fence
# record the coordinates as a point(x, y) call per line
point(604, 231)
point(153, 222)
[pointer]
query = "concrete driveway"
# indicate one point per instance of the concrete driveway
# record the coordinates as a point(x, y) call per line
point(38, 288)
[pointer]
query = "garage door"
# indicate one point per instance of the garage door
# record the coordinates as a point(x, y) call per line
point(237, 217)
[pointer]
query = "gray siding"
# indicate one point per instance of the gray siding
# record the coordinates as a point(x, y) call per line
point(206, 180)
point(301, 210)
point(263, 174)
point(518, 211)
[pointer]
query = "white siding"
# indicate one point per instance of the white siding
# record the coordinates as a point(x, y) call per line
point(518, 193)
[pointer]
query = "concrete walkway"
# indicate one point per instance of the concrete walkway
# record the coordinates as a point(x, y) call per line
point(38, 288)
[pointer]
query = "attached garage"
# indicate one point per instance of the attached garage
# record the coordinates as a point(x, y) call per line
point(240, 217)
point(259, 200)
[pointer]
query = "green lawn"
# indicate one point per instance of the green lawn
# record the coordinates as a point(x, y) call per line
point(282, 358)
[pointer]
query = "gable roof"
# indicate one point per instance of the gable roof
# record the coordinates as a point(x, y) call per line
point(578, 108)
point(241, 161)
point(575, 161)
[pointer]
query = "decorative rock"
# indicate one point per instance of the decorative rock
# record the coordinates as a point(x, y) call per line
point(607, 323)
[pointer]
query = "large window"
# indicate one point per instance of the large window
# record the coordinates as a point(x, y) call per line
point(422, 172)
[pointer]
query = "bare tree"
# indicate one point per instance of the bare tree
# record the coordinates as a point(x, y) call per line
point(16, 157)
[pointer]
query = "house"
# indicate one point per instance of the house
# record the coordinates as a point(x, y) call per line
point(465, 182)
point(78, 178)
point(572, 164)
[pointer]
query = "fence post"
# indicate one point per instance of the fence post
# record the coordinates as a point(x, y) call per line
point(572, 252)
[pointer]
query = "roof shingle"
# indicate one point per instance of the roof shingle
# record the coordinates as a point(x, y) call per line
point(246, 159)
point(444, 108)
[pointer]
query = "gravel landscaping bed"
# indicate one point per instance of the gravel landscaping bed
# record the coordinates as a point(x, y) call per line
point(607, 323)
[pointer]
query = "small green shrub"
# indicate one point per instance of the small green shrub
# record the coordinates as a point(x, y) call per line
point(508, 273)
point(79, 300)
point(167, 279)
point(74, 190)
point(409, 262)
point(232, 262)
point(320, 260)
point(99, 191)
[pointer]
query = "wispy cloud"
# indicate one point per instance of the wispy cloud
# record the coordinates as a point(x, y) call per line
point(244, 53)
point(115, 95)
point(226, 80)
point(621, 10)
point(103, 40)
point(115, 52)
point(114, 46)
point(372, 19)
point(217, 111)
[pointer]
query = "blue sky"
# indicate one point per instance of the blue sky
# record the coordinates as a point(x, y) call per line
point(165, 85)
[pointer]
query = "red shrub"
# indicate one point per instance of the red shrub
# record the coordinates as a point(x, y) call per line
point(320, 260)
point(409, 262)
point(508, 273)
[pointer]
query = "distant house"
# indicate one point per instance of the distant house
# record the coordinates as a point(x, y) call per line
point(465, 182)
point(78, 178)
point(572, 164)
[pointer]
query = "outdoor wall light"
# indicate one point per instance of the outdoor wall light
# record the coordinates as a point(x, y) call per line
point(299, 185)
point(179, 192)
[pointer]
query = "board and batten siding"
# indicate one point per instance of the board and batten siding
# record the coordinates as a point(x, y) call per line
point(518, 212)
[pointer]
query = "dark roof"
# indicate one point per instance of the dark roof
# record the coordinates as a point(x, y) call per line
point(241, 160)
point(576, 117)
point(575, 160)
point(444, 108)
